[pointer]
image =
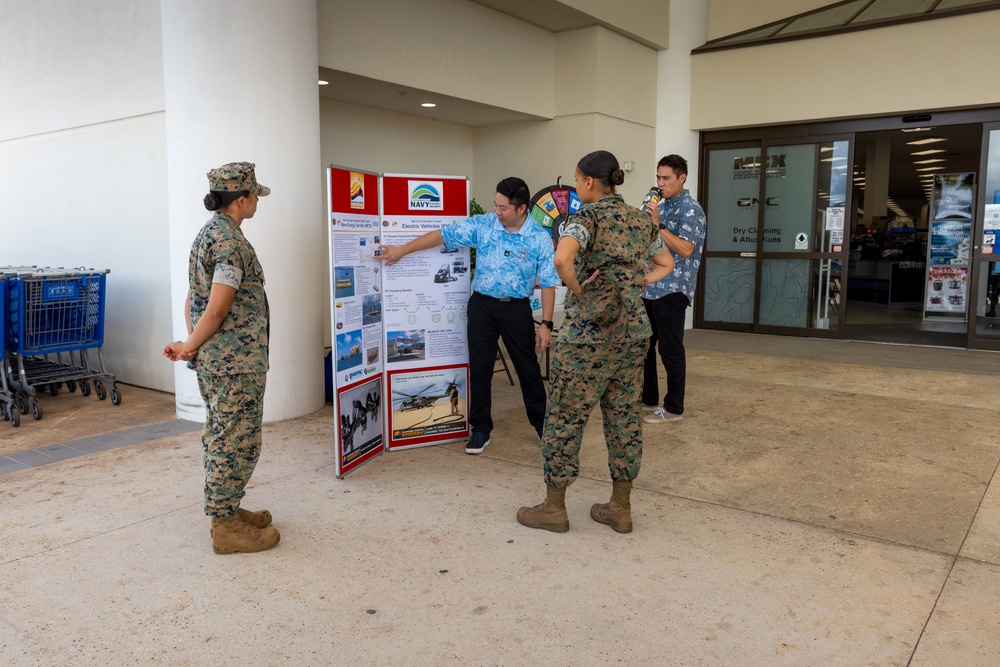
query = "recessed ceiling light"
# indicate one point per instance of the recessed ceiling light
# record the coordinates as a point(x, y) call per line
point(323, 83)
point(917, 129)
point(428, 105)
point(928, 140)
point(930, 161)
point(929, 151)
point(930, 168)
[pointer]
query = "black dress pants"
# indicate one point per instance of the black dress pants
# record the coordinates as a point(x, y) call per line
point(666, 317)
point(489, 320)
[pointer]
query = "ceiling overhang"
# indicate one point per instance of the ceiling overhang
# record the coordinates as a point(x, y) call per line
point(363, 91)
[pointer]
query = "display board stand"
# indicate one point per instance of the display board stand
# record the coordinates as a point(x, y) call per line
point(398, 331)
point(949, 247)
point(425, 295)
point(356, 316)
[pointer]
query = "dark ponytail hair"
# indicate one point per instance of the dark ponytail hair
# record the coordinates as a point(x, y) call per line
point(215, 200)
point(603, 167)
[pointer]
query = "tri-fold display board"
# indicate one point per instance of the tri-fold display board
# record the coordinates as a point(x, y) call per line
point(400, 354)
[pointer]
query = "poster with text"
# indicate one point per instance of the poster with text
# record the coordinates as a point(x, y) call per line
point(947, 289)
point(424, 299)
point(356, 316)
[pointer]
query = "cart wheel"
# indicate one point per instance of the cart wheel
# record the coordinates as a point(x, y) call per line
point(102, 393)
point(15, 419)
point(36, 410)
point(71, 386)
point(53, 390)
point(22, 403)
point(116, 396)
point(84, 387)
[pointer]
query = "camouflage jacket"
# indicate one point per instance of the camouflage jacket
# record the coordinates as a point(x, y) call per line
point(221, 254)
point(617, 239)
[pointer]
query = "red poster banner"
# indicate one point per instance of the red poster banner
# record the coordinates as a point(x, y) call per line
point(425, 196)
point(353, 191)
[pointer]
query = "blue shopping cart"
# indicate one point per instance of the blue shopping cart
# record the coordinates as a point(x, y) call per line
point(8, 409)
point(56, 316)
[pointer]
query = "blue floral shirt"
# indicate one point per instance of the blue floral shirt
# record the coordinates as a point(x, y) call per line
point(683, 217)
point(508, 265)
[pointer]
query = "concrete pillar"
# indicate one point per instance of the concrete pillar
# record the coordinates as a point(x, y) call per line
point(240, 85)
point(688, 31)
point(877, 180)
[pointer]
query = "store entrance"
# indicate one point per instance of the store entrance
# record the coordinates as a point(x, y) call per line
point(890, 296)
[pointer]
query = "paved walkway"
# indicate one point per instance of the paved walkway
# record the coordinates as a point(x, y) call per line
point(822, 502)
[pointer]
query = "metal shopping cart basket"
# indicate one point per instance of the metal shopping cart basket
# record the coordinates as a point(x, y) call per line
point(8, 409)
point(56, 316)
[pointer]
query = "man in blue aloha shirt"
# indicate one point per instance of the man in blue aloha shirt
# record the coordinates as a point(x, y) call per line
point(513, 253)
point(682, 227)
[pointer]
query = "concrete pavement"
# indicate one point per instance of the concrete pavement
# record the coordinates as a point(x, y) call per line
point(822, 502)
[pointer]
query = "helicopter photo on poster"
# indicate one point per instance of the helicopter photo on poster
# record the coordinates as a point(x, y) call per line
point(428, 405)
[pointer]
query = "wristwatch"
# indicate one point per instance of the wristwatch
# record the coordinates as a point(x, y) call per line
point(549, 324)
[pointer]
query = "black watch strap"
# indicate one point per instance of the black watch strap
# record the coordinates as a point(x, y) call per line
point(549, 324)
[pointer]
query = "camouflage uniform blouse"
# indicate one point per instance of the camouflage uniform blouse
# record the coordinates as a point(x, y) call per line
point(221, 254)
point(618, 239)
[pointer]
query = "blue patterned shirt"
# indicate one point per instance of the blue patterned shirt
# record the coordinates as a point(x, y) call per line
point(683, 217)
point(507, 264)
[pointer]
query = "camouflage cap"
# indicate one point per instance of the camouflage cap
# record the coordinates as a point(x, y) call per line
point(236, 177)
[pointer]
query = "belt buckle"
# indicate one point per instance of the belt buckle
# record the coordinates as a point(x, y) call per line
point(505, 299)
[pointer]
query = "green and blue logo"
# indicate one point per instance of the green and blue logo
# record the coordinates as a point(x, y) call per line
point(426, 195)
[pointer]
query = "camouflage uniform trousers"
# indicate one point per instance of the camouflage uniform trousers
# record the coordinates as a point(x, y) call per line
point(231, 438)
point(581, 376)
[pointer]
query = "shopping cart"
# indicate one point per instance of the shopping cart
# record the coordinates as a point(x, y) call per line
point(56, 316)
point(8, 410)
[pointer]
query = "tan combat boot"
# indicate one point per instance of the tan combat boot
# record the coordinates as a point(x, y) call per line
point(550, 515)
point(231, 535)
point(617, 512)
point(261, 519)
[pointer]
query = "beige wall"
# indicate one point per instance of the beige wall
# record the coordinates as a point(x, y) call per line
point(83, 158)
point(540, 152)
point(72, 64)
point(726, 17)
point(382, 141)
point(452, 47)
point(891, 70)
point(599, 71)
point(646, 19)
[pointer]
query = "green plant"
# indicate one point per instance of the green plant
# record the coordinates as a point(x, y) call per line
point(474, 209)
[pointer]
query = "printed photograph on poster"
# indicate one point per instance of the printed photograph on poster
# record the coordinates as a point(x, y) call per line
point(946, 289)
point(952, 196)
point(428, 402)
point(371, 305)
point(348, 350)
point(408, 345)
point(360, 426)
point(950, 242)
point(345, 281)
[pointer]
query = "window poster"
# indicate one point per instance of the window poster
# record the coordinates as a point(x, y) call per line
point(947, 287)
point(949, 250)
point(424, 299)
point(356, 316)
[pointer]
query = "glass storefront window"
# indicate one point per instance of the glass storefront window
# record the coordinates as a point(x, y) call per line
point(733, 190)
point(729, 289)
point(987, 313)
point(801, 293)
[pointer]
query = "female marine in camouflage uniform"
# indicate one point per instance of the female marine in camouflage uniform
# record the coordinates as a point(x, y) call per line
point(599, 354)
point(227, 322)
